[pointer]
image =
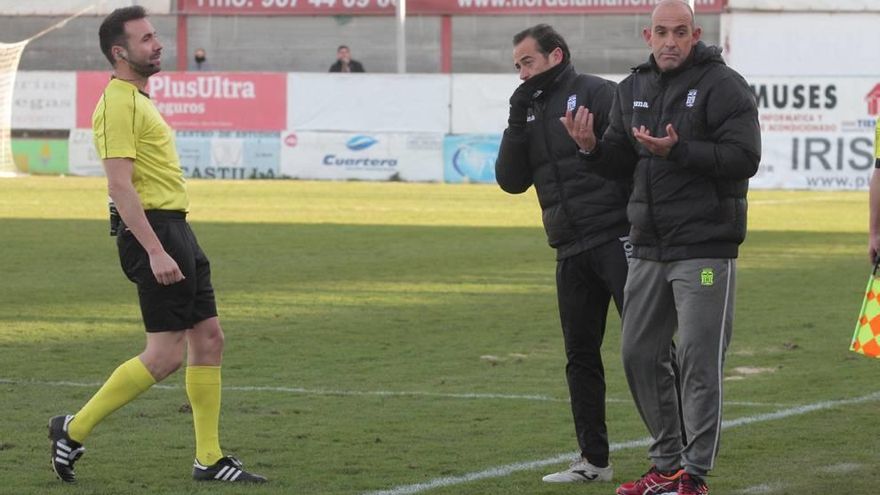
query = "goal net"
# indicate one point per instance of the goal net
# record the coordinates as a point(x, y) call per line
point(10, 54)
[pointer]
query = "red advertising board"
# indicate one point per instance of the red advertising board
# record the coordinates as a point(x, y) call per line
point(429, 7)
point(242, 101)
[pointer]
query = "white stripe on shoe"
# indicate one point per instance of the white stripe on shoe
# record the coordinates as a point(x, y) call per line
point(221, 472)
point(236, 476)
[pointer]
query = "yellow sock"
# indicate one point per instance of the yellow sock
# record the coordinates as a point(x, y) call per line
point(128, 381)
point(203, 390)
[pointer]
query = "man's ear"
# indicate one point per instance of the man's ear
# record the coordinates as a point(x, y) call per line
point(646, 35)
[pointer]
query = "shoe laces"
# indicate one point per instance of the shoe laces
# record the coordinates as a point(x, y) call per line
point(654, 471)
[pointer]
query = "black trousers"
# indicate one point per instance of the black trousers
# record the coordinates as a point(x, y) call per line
point(585, 285)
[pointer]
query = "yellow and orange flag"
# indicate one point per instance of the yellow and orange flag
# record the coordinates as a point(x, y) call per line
point(866, 339)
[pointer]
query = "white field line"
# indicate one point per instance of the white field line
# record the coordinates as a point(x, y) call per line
point(361, 393)
point(792, 200)
point(508, 469)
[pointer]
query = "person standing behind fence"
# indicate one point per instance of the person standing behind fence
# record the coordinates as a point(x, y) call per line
point(684, 127)
point(159, 253)
point(200, 61)
point(344, 62)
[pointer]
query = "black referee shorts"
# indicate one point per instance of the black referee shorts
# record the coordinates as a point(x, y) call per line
point(169, 307)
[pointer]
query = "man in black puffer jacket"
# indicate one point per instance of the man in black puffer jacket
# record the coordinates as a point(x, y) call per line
point(684, 127)
point(584, 217)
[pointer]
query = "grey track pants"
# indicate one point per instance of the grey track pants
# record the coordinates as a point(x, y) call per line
point(696, 298)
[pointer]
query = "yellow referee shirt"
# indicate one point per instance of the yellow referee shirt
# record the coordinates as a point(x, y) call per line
point(877, 141)
point(126, 124)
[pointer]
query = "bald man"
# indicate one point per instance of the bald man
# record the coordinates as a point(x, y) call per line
point(684, 128)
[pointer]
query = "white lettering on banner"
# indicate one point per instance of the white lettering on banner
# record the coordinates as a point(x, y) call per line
point(224, 3)
point(567, 3)
point(207, 87)
point(174, 108)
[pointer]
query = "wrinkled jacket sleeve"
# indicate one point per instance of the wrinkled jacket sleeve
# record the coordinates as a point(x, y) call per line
point(614, 157)
point(601, 102)
point(512, 170)
point(733, 150)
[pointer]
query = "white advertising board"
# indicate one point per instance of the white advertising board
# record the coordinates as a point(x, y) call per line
point(413, 157)
point(480, 102)
point(368, 102)
point(804, 5)
point(817, 133)
point(71, 7)
point(774, 44)
point(44, 100)
point(82, 154)
point(229, 154)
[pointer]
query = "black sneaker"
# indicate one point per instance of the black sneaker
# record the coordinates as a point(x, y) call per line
point(64, 451)
point(226, 469)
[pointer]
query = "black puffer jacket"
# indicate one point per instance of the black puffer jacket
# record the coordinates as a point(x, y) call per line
point(691, 204)
point(581, 210)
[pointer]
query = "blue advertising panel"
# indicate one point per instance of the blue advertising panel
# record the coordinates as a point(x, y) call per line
point(229, 154)
point(470, 157)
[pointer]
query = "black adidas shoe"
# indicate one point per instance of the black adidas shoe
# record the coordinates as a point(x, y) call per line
point(64, 451)
point(226, 469)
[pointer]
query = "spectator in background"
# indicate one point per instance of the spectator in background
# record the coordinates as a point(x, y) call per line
point(200, 60)
point(344, 62)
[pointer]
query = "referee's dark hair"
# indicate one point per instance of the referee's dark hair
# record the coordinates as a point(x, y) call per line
point(548, 40)
point(112, 30)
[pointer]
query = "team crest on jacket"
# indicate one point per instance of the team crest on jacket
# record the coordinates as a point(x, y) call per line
point(691, 98)
point(572, 103)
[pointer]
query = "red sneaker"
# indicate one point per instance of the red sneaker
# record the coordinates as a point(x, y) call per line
point(692, 485)
point(653, 483)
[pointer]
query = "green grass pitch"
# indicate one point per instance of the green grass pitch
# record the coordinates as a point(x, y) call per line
point(384, 335)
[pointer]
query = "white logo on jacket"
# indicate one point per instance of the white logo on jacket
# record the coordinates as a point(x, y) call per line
point(572, 103)
point(691, 98)
point(640, 104)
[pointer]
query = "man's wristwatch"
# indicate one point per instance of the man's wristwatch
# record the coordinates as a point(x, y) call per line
point(587, 153)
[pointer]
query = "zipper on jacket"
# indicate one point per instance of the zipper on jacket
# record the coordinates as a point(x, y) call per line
point(650, 187)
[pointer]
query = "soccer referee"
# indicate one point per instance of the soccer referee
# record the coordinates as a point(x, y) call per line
point(874, 201)
point(158, 252)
